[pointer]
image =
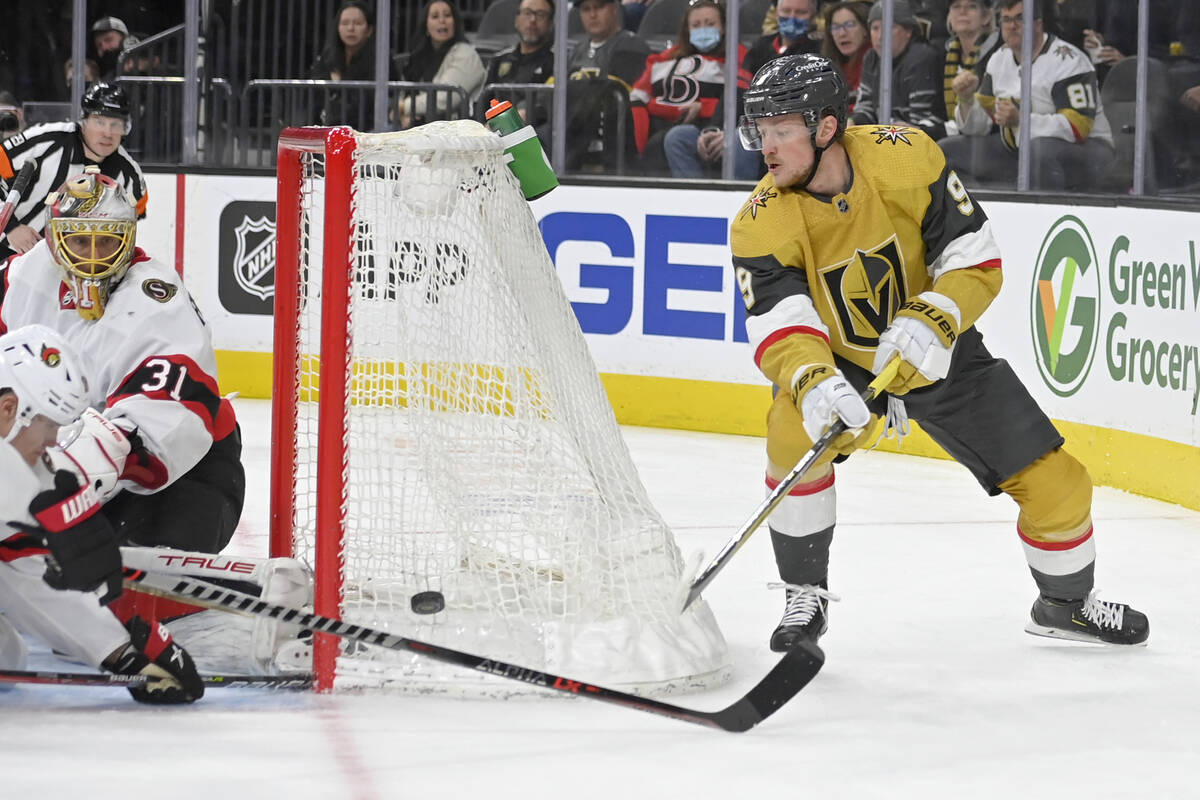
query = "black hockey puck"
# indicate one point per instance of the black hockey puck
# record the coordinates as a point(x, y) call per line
point(428, 602)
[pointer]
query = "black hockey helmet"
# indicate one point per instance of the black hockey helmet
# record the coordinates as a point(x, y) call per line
point(105, 100)
point(806, 84)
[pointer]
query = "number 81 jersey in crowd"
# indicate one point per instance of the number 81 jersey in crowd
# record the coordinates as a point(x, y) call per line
point(840, 267)
point(150, 358)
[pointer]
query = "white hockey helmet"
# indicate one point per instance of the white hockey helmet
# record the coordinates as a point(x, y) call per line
point(45, 374)
point(90, 230)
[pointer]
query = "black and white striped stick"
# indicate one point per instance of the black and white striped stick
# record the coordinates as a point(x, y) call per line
point(791, 674)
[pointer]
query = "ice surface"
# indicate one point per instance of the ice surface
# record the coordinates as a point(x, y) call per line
point(931, 689)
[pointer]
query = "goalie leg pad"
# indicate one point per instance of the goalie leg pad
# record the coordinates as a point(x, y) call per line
point(14, 653)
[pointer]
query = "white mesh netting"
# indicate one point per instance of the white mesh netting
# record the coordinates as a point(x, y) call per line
point(483, 457)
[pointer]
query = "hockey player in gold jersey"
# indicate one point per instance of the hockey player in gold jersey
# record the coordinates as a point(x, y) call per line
point(859, 246)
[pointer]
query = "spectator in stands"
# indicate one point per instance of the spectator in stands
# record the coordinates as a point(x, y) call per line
point(91, 72)
point(530, 60)
point(12, 118)
point(916, 79)
point(1115, 34)
point(847, 41)
point(932, 21)
point(602, 69)
point(1071, 142)
point(440, 54)
point(108, 37)
point(633, 11)
point(973, 40)
point(677, 101)
point(62, 149)
point(798, 33)
point(349, 55)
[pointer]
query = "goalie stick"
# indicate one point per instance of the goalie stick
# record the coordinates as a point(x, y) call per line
point(19, 186)
point(105, 679)
point(775, 497)
point(791, 674)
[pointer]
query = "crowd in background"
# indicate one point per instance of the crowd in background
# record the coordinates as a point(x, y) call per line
point(647, 77)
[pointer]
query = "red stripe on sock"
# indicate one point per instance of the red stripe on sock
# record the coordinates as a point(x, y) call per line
point(1068, 545)
point(804, 488)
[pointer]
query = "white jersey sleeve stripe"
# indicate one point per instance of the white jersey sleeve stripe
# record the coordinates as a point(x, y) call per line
point(970, 249)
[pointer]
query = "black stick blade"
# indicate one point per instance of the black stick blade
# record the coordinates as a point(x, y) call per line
point(793, 672)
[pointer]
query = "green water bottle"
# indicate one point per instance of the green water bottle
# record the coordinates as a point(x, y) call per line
point(522, 150)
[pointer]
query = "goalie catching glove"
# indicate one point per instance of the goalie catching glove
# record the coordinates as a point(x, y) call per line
point(923, 334)
point(822, 394)
point(83, 548)
point(171, 674)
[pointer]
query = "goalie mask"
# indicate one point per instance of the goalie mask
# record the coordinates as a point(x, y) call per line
point(90, 230)
point(45, 374)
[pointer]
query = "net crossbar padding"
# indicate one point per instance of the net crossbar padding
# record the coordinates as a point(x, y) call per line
point(439, 424)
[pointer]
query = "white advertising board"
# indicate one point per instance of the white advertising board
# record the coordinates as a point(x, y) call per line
point(1100, 312)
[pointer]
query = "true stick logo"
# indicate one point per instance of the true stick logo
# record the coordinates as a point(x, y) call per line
point(1065, 306)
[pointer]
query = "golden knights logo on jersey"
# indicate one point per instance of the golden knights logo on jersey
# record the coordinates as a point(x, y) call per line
point(866, 292)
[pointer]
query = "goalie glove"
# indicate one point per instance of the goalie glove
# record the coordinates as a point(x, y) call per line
point(83, 548)
point(170, 672)
point(822, 394)
point(923, 333)
point(97, 454)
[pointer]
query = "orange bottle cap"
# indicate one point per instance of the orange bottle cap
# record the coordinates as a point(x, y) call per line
point(498, 107)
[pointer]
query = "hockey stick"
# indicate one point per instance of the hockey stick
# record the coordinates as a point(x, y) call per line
point(105, 679)
point(777, 494)
point(797, 667)
point(19, 186)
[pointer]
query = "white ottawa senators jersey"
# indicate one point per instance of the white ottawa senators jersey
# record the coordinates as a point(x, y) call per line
point(836, 269)
point(150, 357)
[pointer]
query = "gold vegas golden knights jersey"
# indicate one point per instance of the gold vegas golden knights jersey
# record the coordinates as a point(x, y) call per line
point(829, 273)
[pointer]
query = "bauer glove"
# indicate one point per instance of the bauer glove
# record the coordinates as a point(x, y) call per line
point(83, 548)
point(923, 333)
point(823, 395)
point(170, 672)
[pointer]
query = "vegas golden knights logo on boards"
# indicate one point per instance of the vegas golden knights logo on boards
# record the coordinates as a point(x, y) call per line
point(866, 292)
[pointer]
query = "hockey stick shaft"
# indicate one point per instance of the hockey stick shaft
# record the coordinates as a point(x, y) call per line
point(16, 192)
point(775, 497)
point(105, 679)
point(789, 676)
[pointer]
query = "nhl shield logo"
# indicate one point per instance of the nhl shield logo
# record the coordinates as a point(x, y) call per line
point(254, 256)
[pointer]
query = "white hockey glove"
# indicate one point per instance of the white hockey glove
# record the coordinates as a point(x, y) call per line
point(823, 395)
point(97, 455)
point(923, 333)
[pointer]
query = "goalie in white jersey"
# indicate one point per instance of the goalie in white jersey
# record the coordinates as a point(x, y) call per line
point(55, 548)
point(165, 451)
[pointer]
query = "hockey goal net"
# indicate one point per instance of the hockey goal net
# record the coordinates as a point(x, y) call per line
point(439, 425)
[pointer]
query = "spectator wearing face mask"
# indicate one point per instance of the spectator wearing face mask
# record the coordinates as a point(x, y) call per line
point(797, 33)
point(677, 100)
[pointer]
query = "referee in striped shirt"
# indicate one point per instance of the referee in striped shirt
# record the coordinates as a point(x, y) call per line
point(63, 149)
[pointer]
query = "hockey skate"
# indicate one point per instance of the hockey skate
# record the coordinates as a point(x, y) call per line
point(804, 615)
point(1088, 620)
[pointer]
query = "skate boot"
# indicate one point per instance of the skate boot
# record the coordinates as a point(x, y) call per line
point(1088, 620)
point(804, 616)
